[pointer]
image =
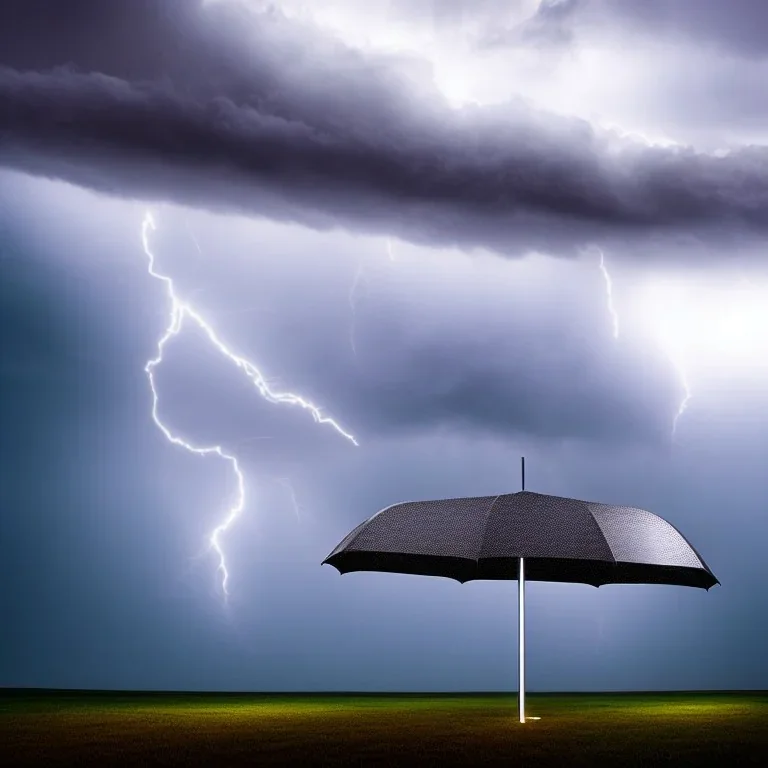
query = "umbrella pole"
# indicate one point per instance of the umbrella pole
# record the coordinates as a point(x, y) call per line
point(521, 639)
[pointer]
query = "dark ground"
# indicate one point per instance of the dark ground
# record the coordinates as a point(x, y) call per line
point(78, 728)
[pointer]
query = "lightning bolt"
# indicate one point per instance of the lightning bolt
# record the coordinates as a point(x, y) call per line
point(179, 312)
point(609, 294)
point(683, 376)
point(674, 358)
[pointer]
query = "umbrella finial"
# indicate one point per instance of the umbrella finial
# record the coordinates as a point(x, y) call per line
point(522, 471)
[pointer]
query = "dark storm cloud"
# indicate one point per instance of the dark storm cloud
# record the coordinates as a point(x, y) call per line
point(224, 108)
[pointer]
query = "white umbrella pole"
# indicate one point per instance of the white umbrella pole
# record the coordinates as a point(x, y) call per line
point(521, 638)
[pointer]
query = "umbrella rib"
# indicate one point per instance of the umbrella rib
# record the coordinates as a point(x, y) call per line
point(364, 525)
point(354, 535)
point(695, 552)
point(485, 528)
point(602, 533)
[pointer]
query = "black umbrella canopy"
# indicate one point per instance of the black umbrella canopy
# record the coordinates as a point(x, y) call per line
point(560, 539)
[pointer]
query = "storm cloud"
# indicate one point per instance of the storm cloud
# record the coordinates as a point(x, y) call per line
point(228, 108)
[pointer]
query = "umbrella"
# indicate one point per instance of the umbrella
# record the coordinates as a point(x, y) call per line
point(523, 536)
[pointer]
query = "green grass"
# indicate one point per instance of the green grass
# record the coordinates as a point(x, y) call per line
point(99, 728)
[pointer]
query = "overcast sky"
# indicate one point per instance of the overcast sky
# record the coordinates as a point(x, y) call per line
point(465, 230)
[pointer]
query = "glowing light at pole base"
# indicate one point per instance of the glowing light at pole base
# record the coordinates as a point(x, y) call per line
point(179, 312)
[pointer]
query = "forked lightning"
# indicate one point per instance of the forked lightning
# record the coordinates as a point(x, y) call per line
point(180, 311)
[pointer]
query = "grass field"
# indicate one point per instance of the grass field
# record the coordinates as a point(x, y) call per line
point(53, 728)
